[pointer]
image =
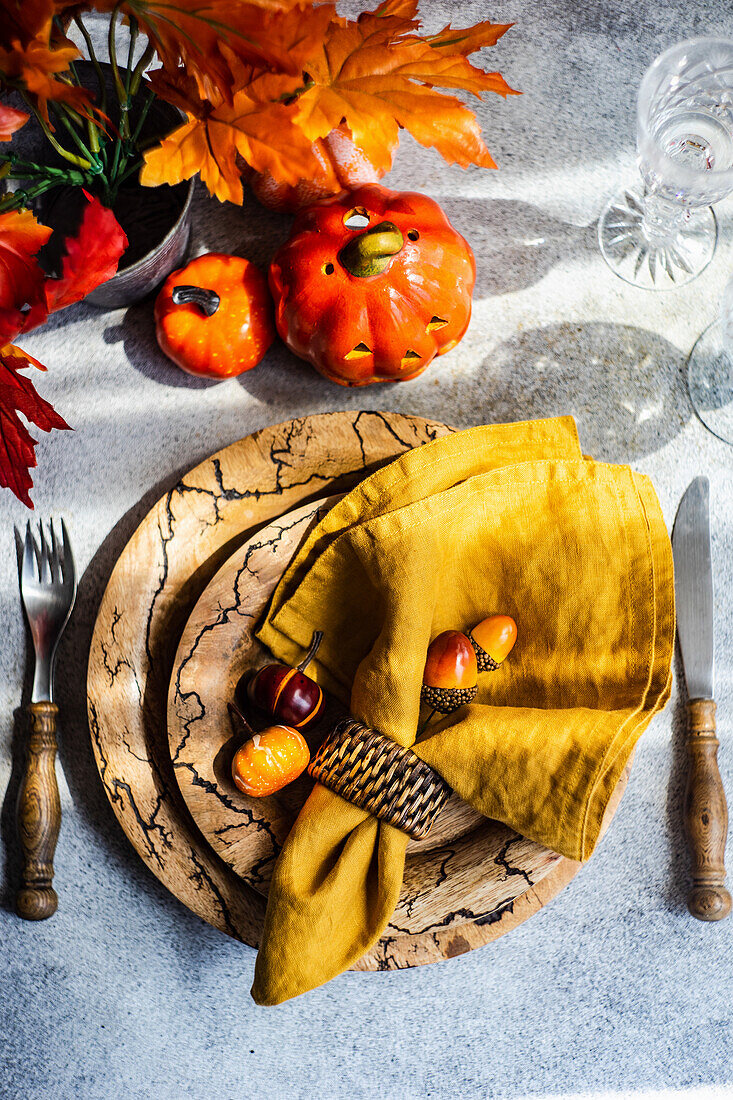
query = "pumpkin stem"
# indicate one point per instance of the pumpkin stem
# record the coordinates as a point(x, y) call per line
point(208, 301)
point(240, 725)
point(312, 650)
point(370, 252)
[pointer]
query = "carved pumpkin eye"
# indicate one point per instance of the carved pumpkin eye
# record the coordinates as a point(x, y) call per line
point(358, 352)
point(436, 322)
point(413, 234)
point(358, 218)
point(328, 269)
point(409, 357)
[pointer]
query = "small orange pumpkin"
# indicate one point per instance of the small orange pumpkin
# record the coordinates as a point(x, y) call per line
point(213, 318)
point(372, 285)
point(270, 760)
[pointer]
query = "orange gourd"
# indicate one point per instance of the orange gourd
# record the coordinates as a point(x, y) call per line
point(372, 285)
point(270, 760)
point(213, 318)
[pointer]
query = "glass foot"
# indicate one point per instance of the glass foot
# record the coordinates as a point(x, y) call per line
point(629, 253)
point(710, 382)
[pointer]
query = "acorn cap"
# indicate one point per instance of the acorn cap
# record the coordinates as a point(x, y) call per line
point(446, 700)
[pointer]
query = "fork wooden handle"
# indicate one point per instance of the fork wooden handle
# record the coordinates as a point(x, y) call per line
point(39, 816)
point(706, 815)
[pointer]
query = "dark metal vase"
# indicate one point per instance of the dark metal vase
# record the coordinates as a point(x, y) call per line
point(161, 215)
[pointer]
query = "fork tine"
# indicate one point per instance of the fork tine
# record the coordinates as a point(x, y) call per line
point(67, 564)
point(55, 557)
point(19, 547)
point(30, 570)
point(45, 570)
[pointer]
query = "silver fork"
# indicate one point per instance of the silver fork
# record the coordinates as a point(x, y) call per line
point(48, 590)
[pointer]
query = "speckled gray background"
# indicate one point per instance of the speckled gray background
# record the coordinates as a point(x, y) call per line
point(613, 988)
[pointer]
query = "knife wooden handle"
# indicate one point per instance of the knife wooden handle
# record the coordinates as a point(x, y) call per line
point(39, 816)
point(706, 815)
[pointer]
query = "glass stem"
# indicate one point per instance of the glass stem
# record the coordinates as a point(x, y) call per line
point(663, 220)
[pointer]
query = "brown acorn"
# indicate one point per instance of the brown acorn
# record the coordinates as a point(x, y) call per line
point(451, 673)
point(284, 692)
point(493, 640)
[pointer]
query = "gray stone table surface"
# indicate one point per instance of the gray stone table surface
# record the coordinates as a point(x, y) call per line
point(611, 989)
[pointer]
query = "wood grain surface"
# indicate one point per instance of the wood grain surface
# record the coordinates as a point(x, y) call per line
point(161, 573)
point(467, 866)
point(706, 815)
point(39, 816)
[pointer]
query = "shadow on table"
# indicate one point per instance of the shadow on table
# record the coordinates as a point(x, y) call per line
point(624, 385)
point(516, 244)
point(75, 752)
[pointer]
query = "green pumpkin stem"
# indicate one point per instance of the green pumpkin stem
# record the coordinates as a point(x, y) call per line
point(208, 301)
point(312, 650)
point(370, 252)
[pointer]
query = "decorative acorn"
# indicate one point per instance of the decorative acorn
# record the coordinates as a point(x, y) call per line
point(284, 692)
point(493, 640)
point(451, 673)
point(268, 760)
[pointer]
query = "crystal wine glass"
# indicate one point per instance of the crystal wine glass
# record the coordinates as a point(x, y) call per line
point(710, 372)
point(662, 233)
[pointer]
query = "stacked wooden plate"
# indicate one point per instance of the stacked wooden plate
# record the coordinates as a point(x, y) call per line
point(174, 633)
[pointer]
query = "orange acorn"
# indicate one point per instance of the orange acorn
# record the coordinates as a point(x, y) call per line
point(451, 673)
point(493, 640)
point(270, 760)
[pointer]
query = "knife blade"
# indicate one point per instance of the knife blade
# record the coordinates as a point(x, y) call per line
point(705, 808)
point(693, 574)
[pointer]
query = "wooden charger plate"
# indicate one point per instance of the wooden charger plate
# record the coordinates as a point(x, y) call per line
point(160, 575)
point(465, 869)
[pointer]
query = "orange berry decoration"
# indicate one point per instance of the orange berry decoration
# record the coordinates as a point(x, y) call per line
point(450, 678)
point(213, 318)
point(270, 760)
point(493, 640)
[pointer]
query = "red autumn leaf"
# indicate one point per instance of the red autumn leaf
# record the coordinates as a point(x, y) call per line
point(91, 256)
point(11, 121)
point(17, 446)
point(22, 296)
point(26, 298)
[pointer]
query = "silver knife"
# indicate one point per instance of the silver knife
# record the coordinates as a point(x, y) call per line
point(706, 811)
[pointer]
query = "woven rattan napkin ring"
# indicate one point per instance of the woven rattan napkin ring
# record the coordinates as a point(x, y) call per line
point(375, 773)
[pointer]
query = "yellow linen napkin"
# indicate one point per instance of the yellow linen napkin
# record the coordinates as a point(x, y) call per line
point(506, 518)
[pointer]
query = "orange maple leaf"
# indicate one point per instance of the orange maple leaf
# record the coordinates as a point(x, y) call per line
point(23, 20)
point(255, 125)
point(379, 76)
point(33, 54)
point(276, 34)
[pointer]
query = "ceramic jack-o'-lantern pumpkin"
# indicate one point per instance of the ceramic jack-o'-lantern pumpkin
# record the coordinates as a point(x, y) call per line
point(372, 285)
